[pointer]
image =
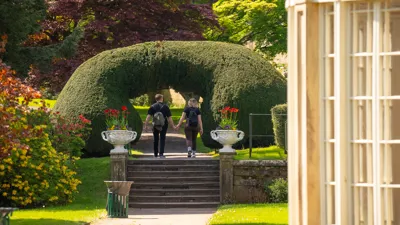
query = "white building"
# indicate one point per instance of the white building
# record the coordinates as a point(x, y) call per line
point(344, 112)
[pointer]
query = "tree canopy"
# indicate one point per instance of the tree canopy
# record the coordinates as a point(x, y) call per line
point(19, 24)
point(114, 24)
point(263, 22)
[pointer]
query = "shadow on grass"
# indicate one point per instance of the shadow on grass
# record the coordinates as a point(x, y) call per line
point(45, 222)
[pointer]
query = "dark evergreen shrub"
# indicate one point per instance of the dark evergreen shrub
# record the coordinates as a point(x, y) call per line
point(277, 190)
point(279, 120)
point(222, 73)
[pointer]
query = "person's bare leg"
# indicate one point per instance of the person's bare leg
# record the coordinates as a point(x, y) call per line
point(188, 135)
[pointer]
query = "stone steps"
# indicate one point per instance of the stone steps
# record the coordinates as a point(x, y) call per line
point(175, 198)
point(173, 179)
point(189, 161)
point(172, 167)
point(174, 183)
point(173, 204)
point(181, 185)
point(174, 192)
point(202, 173)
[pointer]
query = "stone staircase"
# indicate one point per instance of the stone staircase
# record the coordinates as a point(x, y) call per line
point(174, 183)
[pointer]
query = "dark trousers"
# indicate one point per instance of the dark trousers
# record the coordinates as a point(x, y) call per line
point(191, 136)
point(159, 136)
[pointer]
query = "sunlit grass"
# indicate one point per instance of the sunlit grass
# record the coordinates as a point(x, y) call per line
point(268, 153)
point(251, 214)
point(38, 102)
point(88, 206)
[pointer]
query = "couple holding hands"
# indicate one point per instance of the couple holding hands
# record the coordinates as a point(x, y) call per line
point(161, 115)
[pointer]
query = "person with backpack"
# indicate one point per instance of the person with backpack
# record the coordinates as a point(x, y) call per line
point(193, 125)
point(161, 116)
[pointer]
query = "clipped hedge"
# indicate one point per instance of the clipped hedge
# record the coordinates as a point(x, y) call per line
point(279, 120)
point(222, 73)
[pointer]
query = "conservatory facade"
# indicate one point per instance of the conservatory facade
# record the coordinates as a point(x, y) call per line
point(344, 112)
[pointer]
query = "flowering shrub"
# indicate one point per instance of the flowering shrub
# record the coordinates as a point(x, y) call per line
point(31, 171)
point(66, 136)
point(228, 118)
point(37, 174)
point(116, 120)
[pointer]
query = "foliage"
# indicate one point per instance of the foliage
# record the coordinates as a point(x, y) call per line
point(228, 118)
point(116, 120)
point(269, 153)
point(241, 214)
point(259, 22)
point(19, 24)
point(222, 73)
point(66, 136)
point(37, 175)
point(115, 24)
point(31, 171)
point(13, 125)
point(142, 100)
point(88, 205)
point(277, 190)
point(279, 120)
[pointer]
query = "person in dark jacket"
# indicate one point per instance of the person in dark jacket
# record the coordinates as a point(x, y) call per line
point(161, 118)
point(193, 125)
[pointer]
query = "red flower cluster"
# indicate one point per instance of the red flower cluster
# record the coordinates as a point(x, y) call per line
point(111, 112)
point(229, 109)
point(84, 120)
point(115, 119)
point(228, 118)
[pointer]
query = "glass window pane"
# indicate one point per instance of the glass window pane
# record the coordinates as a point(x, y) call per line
point(389, 157)
point(363, 205)
point(390, 29)
point(390, 205)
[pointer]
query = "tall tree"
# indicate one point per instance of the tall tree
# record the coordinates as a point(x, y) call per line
point(118, 23)
point(262, 22)
point(18, 23)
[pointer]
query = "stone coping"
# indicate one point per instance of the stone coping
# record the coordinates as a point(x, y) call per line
point(257, 163)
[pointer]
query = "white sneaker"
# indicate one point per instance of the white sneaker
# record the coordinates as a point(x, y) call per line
point(189, 152)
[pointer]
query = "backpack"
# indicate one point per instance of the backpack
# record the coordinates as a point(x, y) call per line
point(159, 119)
point(192, 118)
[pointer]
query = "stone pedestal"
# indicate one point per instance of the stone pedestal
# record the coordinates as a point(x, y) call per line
point(118, 164)
point(226, 176)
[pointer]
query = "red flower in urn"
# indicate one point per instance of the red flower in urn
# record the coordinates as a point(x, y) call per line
point(228, 118)
point(117, 120)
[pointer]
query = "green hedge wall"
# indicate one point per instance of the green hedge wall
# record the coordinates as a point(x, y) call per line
point(279, 120)
point(222, 73)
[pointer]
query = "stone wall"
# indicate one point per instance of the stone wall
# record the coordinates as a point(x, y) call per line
point(250, 176)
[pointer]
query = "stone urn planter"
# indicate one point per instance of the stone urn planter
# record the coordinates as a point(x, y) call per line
point(227, 138)
point(119, 138)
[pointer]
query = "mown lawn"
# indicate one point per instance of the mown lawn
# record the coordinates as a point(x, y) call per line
point(176, 113)
point(88, 206)
point(38, 103)
point(268, 153)
point(251, 214)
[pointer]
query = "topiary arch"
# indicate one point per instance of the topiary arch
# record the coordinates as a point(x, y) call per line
point(223, 74)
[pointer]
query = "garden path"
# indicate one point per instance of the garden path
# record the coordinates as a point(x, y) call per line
point(177, 216)
point(175, 145)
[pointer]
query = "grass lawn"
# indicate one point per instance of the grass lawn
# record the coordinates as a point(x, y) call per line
point(268, 153)
point(89, 204)
point(176, 113)
point(254, 214)
point(37, 103)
